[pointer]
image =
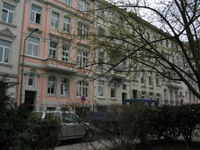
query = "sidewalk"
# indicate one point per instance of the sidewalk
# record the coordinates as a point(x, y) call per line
point(94, 145)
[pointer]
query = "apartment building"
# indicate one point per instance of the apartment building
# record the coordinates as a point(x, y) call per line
point(55, 55)
point(142, 82)
point(110, 86)
point(10, 30)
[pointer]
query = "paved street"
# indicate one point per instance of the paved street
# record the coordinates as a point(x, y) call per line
point(94, 145)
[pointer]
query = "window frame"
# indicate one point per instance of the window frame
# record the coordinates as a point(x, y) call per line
point(4, 49)
point(55, 20)
point(51, 90)
point(113, 89)
point(101, 88)
point(82, 89)
point(8, 13)
point(83, 30)
point(84, 6)
point(82, 58)
point(68, 2)
point(34, 14)
point(66, 24)
point(66, 52)
point(64, 89)
point(53, 50)
point(31, 76)
point(34, 44)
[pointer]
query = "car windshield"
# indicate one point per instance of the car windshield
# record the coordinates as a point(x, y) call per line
point(69, 118)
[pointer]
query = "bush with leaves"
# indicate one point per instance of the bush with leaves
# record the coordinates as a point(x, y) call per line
point(18, 131)
point(171, 122)
point(122, 126)
point(42, 133)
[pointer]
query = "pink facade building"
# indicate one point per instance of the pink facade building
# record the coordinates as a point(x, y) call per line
point(55, 53)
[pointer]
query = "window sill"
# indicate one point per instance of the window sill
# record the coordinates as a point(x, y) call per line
point(6, 64)
point(51, 95)
point(113, 98)
point(35, 57)
point(101, 97)
point(8, 24)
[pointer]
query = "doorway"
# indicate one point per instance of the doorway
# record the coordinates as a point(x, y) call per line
point(134, 93)
point(30, 99)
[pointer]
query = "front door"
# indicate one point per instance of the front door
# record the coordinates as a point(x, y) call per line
point(30, 99)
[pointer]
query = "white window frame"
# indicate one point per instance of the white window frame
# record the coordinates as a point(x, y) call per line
point(82, 88)
point(5, 50)
point(82, 58)
point(51, 88)
point(83, 30)
point(55, 20)
point(34, 14)
point(53, 50)
point(66, 24)
point(65, 52)
point(35, 47)
point(64, 91)
point(9, 13)
point(101, 87)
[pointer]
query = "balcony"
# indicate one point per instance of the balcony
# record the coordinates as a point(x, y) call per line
point(172, 84)
point(52, 64)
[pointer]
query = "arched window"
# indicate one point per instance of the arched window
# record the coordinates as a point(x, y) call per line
point(64, 87)
point(31, 79)
point(51, 85)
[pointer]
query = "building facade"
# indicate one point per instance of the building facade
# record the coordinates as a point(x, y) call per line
point(55, 56)
point(11, 12)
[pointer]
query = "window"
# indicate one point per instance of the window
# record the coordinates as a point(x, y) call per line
point(157, 81)
point(82, 88)
point(100, 31)
point(171, 95)
point(151, 95)
point(101, 88)
point(31, 79)
point(101, 11)
point(4, 51)
point(82, 58)
point(51, 85)
point(84, 6)
point(65, 52)
point(36, 14)
point(64, 87)
point(33, 46)
point(100, 60)
point(53, 49)
point(54, 20)
point(7, 13)
point(143, 78)
point(83, 30)
point(150, 79)
point(124, 87)
point(66, 24)
point(112, 90)
point(143, 94)
point(165, 94)
point(68, 2)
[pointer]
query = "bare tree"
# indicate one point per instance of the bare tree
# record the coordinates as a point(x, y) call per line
point(172, 49)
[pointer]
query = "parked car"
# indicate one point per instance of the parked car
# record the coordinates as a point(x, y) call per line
point(72, 127)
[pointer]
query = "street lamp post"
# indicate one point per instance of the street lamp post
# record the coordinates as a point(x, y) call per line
point(22, 62)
